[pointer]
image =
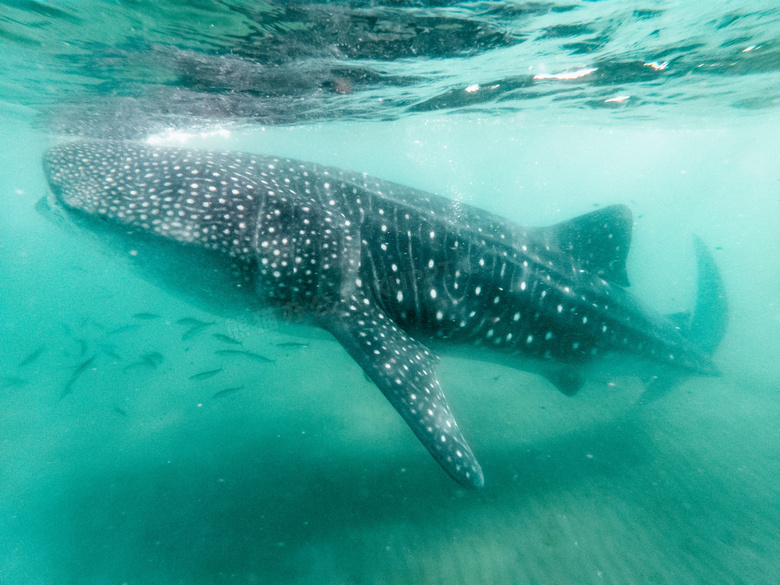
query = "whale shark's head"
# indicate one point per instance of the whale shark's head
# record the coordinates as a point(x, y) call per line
point(183, 219)
point(198, 197)
point(73, 178)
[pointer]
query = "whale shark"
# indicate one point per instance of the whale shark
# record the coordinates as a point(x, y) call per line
point(396, 275)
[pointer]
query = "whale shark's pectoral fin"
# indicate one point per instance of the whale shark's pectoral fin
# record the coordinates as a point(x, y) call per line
point(404, 370)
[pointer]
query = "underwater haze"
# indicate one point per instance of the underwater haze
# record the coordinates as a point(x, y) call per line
point(146, 440)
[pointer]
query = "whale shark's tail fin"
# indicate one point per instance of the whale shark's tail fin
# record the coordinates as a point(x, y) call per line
point(711, 315)
point(704, 328)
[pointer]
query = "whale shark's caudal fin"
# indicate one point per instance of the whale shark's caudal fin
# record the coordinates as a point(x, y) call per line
point(706, 326)
point(711, 315)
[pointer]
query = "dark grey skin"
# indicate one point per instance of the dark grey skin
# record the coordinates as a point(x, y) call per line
point(386, 269)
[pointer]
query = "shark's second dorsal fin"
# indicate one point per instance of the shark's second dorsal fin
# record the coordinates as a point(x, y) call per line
point(598, 241)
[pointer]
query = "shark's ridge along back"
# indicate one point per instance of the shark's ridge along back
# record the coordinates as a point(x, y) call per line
point(389, 271)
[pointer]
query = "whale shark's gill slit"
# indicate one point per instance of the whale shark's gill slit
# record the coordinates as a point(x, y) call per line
point(382, 258)
point(307, 251)
point(415, 290)
point(382, 284)
point(443, 271)
point(404, 370)
point(396, 290)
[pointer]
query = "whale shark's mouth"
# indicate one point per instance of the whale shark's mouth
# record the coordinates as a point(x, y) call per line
point(70, 218)
point(50, 208)
point(44, 208)
point(73, 180)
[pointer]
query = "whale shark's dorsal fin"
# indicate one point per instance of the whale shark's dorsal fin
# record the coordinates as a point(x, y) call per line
point(597, 241)
point(404, 370)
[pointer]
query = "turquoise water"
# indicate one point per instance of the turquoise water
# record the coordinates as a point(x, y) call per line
point(303, 473)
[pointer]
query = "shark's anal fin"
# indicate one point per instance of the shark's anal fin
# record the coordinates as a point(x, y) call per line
point(568, 381)
point(404, 370)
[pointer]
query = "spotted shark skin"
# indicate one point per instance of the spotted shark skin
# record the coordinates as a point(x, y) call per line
point(389, 270)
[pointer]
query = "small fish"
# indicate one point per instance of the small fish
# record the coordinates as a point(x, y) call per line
point(195, 330)
point(11, 381)
point(227, 391)
point(292, 344)
point(148, 360)
point(83, 347)
point(82, 367)
point(153, 358)
point(243, 353)
point(146, 316)
point(205, 375)
point(226, 339)
point(109, 350)
point(123, 329)
point(32, 357)
point(120, 410)
point(136, 365)
point(189, 321)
